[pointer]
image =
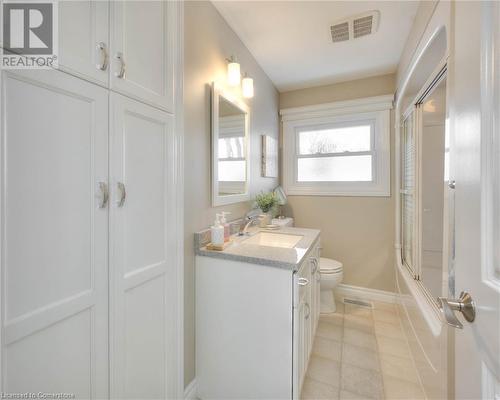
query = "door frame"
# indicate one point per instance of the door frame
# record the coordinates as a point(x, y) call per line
point(177, 195)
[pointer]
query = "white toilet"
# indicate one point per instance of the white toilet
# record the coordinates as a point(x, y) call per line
point(331, 275)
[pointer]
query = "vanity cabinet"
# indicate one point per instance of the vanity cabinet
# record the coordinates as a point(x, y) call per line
point(105, 42)
point(255, 326)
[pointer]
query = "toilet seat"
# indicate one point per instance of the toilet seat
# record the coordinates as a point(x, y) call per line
point(329, 266)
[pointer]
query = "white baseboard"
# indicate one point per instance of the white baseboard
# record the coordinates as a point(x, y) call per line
point(191, 391)
point(362, 293)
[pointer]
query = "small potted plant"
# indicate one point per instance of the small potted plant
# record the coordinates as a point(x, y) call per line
point(267, 202)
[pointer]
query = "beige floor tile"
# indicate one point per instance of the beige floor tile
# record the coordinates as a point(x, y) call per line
point(391, 307)
point(360, 338)
point(334, 318)
point(389, 330)
point(327, 348)
point(362, 381)
point(358, 311)
point(398, 389)
point(386, 316)
point(397, 367)
point(394, 347)
point(314, 390)
point(324, 370)
point(329, 330)
point(345, 395)
point(360, 357)
point(340, 307)
point(359, 323)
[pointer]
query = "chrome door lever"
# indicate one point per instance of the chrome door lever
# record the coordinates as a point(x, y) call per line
point(464, 304)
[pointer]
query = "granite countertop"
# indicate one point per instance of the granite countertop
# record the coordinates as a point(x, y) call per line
point(278, 257)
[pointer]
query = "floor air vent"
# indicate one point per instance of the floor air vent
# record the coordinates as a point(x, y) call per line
point(359, 303)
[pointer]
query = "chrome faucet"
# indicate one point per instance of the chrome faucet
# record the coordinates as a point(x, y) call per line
point(251, 220)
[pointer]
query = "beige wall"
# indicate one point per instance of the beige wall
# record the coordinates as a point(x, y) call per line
point(208, 42)
point(358, 231)
point(367, 87)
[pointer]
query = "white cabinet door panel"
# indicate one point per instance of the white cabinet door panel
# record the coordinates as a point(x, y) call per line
point(54, 235)
point(141, 138)
point(141, 31)
point(83, 26)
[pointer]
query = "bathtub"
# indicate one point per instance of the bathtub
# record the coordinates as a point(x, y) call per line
point(430, 341)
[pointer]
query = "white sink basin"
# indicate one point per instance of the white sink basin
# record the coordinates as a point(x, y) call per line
point(282, 240)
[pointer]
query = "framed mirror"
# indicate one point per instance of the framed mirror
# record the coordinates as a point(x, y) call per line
point(230, 148)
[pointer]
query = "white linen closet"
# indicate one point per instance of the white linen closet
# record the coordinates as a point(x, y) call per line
point(90, 261)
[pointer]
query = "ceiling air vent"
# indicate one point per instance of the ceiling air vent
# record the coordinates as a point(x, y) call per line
point(355, 27)
point(340, 32)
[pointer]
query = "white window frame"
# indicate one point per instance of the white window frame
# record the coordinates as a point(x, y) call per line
point(372, 110)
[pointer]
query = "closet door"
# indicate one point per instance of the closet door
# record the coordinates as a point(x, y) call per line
point(54, 235)
point(84, 39)
point(142, 56)
point(140, 146)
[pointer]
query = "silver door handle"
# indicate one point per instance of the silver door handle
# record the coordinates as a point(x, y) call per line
point(104, 197)
point(120, 74)
point(315, 265)
point(464, 304)
point(123, 194)
point(103, 65)
point(303, 281)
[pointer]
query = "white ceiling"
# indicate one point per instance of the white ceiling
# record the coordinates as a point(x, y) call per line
point(291, 39)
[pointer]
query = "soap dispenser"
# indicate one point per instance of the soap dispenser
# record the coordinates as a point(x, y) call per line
point(217, 232)
point(227, 230)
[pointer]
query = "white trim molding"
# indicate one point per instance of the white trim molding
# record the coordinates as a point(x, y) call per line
point(375, 110)
point(367, 294)
point(367, 104)
point(191, 391)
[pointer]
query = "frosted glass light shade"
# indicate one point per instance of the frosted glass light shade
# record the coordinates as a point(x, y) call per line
point(233, 74)
point(247, 87)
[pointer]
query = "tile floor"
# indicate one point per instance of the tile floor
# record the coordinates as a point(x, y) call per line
point(361, 353)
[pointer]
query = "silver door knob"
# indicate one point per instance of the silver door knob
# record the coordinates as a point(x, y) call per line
point(464, 304)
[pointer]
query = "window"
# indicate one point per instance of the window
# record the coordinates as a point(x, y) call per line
point(335, 153)
point(408, 193)
point(328, 151)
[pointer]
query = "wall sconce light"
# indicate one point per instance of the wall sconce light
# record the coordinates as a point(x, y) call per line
point(233, 72)
point(247, 86)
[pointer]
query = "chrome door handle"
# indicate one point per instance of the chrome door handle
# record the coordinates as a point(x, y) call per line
point(120, 74)
point(464, 304)
point(104, 197)
point(101, 47)
point(308, 311)
point(303, 282)
point(123, 194)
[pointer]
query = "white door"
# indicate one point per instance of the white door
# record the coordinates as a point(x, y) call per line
point(84, 39)
point(54, 235)
point(141, 139)
point(141, 47)
point(475, 151)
